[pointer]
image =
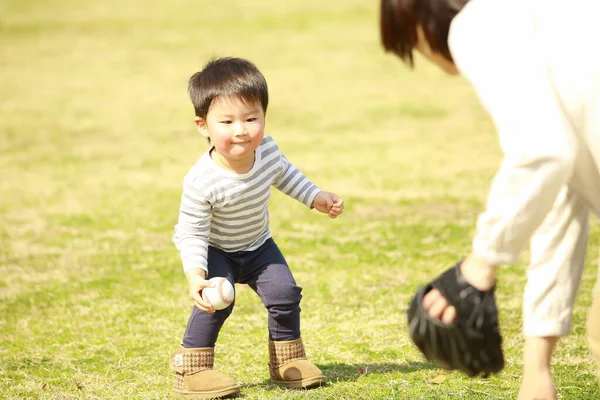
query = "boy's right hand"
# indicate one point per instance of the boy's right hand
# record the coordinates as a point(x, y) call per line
point(196, 283)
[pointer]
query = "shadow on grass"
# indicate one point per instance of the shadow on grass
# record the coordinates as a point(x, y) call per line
point(351, 372)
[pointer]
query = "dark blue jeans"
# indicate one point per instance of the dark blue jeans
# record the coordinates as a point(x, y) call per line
point(267, 273)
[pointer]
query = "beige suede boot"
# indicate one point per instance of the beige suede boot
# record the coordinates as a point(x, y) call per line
point(290, 368)
point(195, 378)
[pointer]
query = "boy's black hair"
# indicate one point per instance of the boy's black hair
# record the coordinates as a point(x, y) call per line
point(399, 20)
point(227, 77)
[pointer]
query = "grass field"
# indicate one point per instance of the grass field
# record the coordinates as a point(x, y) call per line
point(96, 135)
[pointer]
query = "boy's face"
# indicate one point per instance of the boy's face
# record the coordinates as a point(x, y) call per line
point(234, 128)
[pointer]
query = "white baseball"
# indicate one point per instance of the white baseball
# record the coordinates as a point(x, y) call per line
point(221, 295)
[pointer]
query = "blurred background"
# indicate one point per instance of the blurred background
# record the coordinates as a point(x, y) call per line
point(96, 134)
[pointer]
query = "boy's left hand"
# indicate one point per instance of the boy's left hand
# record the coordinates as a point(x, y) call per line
point(328, 203)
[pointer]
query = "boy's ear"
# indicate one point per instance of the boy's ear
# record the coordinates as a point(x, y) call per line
point(201, 126)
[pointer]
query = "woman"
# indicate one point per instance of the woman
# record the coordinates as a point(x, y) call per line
point(534, 66)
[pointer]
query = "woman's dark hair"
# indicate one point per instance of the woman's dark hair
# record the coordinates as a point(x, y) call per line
point(227, 77)
point(399, 20)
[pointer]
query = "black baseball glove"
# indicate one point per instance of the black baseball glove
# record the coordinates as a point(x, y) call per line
point(472, 343)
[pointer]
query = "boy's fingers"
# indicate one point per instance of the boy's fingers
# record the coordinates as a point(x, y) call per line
point(205, 309)
point(196, 297)
point(336, 210)
point(203, 305)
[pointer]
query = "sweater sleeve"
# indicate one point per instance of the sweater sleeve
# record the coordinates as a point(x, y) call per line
point(291, 181)
point(193, 227)
point(536, 137)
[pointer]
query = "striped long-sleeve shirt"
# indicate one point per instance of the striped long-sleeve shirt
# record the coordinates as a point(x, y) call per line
point(230, 211)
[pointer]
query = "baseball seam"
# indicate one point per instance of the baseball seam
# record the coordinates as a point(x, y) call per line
point(220, 290)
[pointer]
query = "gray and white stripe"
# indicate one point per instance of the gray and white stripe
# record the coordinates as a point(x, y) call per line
point(230, 212)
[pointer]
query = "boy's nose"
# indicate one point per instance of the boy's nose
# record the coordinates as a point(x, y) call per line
point(240, 130)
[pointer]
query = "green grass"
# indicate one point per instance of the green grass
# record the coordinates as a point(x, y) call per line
point(96, 134)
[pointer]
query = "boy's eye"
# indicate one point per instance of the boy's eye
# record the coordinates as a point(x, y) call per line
point(251, 119)
point(225, 121)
